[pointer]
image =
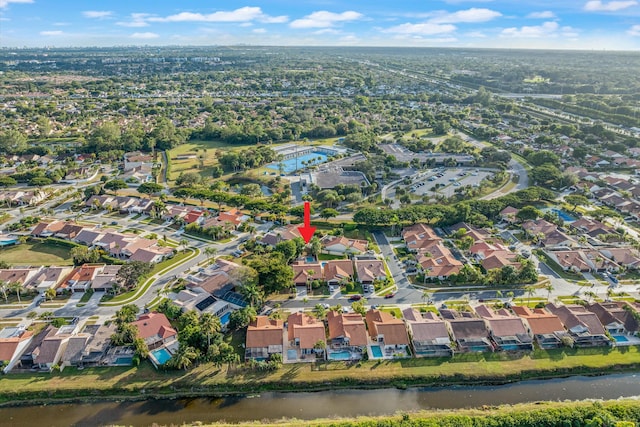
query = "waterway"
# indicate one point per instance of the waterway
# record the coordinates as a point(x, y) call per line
point(344, 403)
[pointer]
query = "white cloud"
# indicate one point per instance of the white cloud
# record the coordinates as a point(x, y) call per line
point(243, 14)
point(545, 14)
point(634, 31)
point(536, 31)
point(470, 15)
point(612, 6)
point(97, 14)
point(324, 19)
point(51, 33)
point(425, 28)
point(144, 36)
point(5, 3)
point(476, 35)
point(259, 31)
point(137, 20)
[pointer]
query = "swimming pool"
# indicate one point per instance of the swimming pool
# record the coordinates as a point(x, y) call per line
point(376, 351)
point(310, 259)
point(224, 319)
point(510, 347)
point(563, 215)
point(161, 355)
point(478, 348)
point(124, 361)
point(290, 164)
point(620, 338)
point(340, 355)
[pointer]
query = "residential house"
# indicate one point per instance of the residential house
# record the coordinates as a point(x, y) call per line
point(106, 279)
point(347, 331)
point(571, 260)
point(469, 333)
point(13, 341)
point(507, 331)
point(508, 214)
point(50, 349)
point(305, 273)
point(47, 229)
point(265, 337)
point(155, 329)
point(387, 332)
point(337, 271)
point(340, 245)
point(276, 236)
point(369, 271)
point(98, 343)
point(88, 236)
point(18, 275)
point(305, 333)
point(628, 257)
point(152, 254)
point(437, 261)
point(68, 231)
point(428, 333)
point(546, 327)
point(418, 237)
point(617, 317)
point(74, 351)
point(47, 278)
point(32, 350)
point(80, 278)
point(584, 327)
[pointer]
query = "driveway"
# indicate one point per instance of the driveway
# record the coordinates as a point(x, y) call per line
point(395, 267)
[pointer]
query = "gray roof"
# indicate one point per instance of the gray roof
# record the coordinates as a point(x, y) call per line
point(75, 347)
point(466, 328)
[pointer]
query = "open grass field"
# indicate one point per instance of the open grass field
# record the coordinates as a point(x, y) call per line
point(40, 253)
point(206, 378)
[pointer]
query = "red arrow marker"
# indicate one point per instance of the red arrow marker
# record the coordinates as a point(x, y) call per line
point(307, 231)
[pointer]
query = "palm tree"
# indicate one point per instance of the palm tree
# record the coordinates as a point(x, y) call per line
point(4, 286)
point(17, 287)
point(253, 294)
point(184, 243)
point(590, 295)
point(184, 358)
point(310, 274)
point(209, 324)
point(549, 288)
point(211, 252)
point(320, 345)
point(530, 290)
point(498, 294)
point(50, 293)
point(319, 311)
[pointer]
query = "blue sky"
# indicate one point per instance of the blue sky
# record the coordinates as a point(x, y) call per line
point(577, 24)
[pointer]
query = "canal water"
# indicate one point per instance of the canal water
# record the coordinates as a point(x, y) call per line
point(344, 403)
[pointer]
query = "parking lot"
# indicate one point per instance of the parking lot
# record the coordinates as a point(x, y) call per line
point(446, 180)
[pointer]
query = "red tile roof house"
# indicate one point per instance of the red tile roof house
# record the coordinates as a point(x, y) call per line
point(264, 337)
point(437, 261)
point(337, 271)
point(274, 237)
point(388, 332)
point(347, 333)
point(304, 333)
point(369, 271)
point(13, 341)
point(584, 327)
point(155, 329)
point(509, 213)
point(469, 333)
point(428, 334)
point(80, 278)
point(305, 273)
point(507, 331)
point(419, 236)
point(340, 245)
point(616, 316)
point(546, 327)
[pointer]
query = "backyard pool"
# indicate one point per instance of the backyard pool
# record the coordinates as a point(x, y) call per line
point(376, 351)
point(291, 165)
point(124, 361)
point(340, 355)
point(510, 347)
point(310, 259)
point(162, 355)
point(620, 338)
point(224, 319)
point(562, 215)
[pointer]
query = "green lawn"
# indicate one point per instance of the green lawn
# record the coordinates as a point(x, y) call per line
point(39, 253)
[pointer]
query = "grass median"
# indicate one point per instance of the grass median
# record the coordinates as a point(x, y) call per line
point(208, 380)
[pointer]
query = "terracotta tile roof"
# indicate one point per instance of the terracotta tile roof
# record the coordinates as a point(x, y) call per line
point(337, 269)
point(154, 324)
point(307, 329)
point(349, 244)
point(369, 270)
point(347, 325)
point(383, 323)
point(540, 321)
point(264, 332)
point(9, 345)
point(301, 275)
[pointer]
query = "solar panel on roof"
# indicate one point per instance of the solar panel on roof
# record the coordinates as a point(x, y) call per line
point(205, 303)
